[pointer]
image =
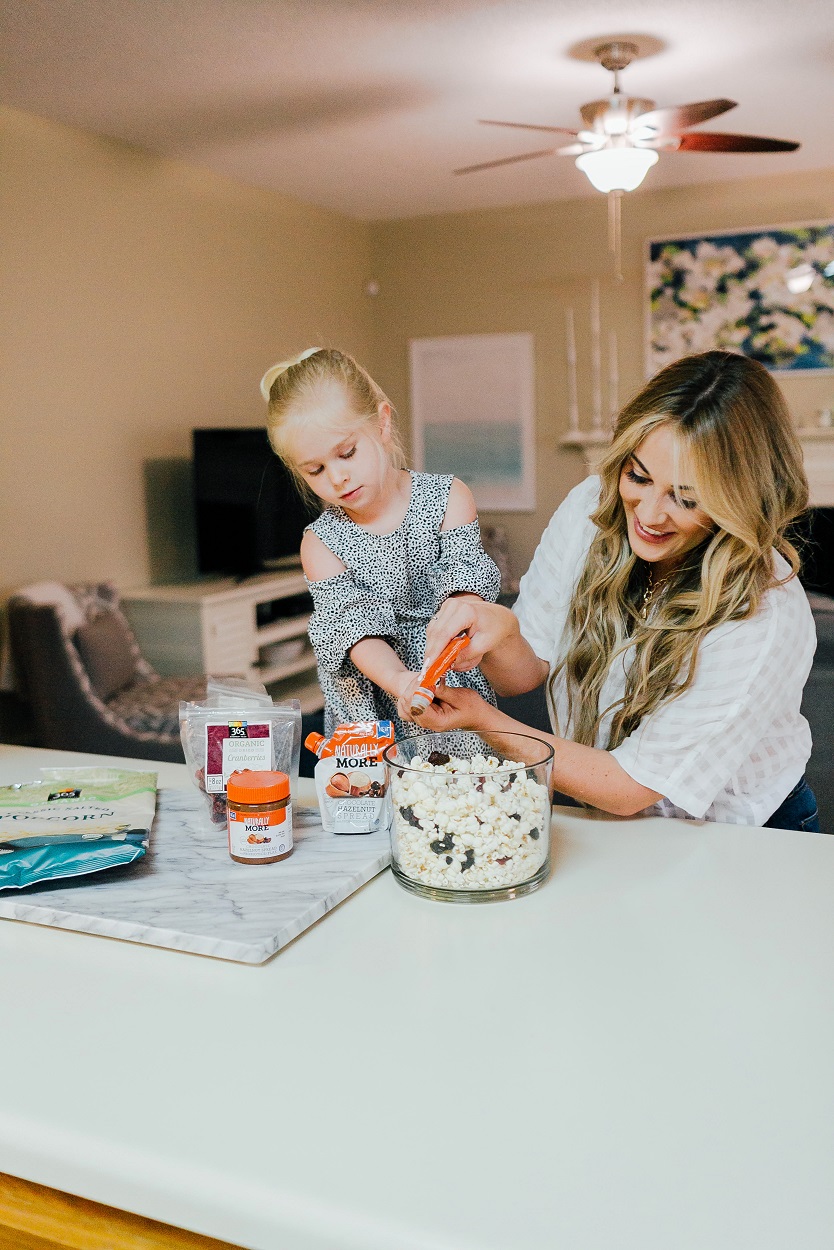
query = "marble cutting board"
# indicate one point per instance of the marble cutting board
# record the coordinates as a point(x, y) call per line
point(188, 895)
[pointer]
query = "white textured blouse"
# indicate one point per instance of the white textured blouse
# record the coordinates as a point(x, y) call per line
point(732, 746)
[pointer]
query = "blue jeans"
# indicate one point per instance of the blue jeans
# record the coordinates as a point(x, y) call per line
point(799, 810)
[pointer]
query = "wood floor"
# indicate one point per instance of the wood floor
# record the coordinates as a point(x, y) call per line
point(33, 1217)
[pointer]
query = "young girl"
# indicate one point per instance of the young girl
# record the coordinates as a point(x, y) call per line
point(390, 547)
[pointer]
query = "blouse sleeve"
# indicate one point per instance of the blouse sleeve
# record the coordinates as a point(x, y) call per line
point(464, 565)
point(749, 678)
point(344, 613)
point(545, 589)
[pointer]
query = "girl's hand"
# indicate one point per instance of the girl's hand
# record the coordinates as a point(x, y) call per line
point(487, 624)
point(406, 686)
point(455, 707)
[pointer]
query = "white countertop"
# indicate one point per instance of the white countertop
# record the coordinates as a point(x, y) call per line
point(639, 1055)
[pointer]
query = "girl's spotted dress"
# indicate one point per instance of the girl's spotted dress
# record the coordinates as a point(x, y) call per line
point(392, 586)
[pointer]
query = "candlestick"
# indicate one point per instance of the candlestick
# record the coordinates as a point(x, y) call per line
point(573, 396)
point(613, 376)
point(596, 361)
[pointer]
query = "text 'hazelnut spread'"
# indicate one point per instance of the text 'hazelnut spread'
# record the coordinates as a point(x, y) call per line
point(351, 776)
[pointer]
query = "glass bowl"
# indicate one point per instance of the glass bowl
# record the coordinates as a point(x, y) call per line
point(471, 817)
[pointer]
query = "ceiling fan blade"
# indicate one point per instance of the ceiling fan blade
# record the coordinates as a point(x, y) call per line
point(553, 130)
point(508, 160)
point(670, 121)
point(573, 149)
point(704, 141)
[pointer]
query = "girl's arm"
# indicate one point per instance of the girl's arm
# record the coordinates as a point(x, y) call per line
point(317, 560)
point(460, 506)
point(372, 656)
point(512, 669)
point(585, 773)
point(510, 662)
point(379, 661)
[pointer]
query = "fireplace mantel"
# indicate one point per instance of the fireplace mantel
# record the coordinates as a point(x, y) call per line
point(818, 447)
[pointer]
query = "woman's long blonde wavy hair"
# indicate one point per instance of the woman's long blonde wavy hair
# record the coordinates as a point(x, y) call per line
point(736, 444)
point(293, 389)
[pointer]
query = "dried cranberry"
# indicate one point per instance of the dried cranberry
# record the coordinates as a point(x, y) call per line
point(439, 757)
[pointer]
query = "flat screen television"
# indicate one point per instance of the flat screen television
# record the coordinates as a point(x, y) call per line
point(249, 514)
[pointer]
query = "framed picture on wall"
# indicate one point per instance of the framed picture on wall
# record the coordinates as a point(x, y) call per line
point(473, 415)
point(767, 293)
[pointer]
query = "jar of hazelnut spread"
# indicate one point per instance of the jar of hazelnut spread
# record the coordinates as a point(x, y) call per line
point(260, 817)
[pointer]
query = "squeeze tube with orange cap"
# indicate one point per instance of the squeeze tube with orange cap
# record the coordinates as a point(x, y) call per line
point(433, 674)
point(351, 777)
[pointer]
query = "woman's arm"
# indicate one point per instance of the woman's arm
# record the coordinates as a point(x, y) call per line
point(585, 773)
point(495, 643)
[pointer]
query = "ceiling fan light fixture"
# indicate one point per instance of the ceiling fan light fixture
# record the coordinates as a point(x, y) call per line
point(617, 169)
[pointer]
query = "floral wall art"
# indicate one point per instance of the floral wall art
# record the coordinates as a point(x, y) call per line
point(767, 293)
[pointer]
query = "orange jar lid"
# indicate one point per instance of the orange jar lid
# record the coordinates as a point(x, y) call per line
point(248, 786)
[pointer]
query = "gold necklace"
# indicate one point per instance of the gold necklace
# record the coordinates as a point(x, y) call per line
point(653, 589)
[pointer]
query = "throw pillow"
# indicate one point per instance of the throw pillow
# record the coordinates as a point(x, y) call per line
point(105, 645)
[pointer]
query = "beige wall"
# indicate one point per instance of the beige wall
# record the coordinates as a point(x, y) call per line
point(518, 269)
point(141, 297)
point(145, 296)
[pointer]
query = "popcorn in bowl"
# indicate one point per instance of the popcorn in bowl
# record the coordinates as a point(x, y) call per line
point(470, 828)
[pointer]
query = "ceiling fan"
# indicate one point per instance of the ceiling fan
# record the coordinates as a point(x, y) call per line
point(623, 134)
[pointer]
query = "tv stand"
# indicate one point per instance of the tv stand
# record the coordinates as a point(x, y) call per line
point(283, 563)
point(221, 626)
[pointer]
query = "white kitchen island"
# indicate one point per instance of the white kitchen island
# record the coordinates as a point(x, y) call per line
point(639, 1056)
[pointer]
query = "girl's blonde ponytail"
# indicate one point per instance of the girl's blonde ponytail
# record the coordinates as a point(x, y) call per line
point(275, 371)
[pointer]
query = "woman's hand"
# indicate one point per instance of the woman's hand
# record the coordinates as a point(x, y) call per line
point(456, 707)
point(487, 624)
point(495, 643)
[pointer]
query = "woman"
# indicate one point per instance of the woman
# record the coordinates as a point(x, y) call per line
point(663, 610)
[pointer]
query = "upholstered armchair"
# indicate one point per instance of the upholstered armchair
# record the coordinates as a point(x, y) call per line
point(75, 660)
